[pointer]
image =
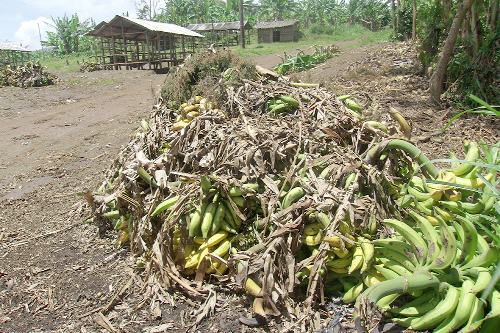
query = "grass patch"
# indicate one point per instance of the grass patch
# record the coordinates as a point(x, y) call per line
point(339, 34)
point(383, 35)
point(106, 82)
point(67, 64)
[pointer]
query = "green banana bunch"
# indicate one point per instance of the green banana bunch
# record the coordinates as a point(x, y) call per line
point(420, 247)
point(471, 156)
point(449, 193)
point(218, 244)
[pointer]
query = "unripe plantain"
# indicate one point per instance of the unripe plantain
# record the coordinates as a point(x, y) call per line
point(206, 224)
point(206, 184)
point(237, 191)
point(293, 196)
point(218, 217)
point(214, 240)
point(252, 287)
point(195, 221)
point(312, 228)
point(357, 259)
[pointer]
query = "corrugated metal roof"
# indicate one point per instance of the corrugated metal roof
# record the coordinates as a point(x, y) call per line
point(274, 24)
point(160, 26)
point(102, 28)
point(218, 26)
point(13, 47)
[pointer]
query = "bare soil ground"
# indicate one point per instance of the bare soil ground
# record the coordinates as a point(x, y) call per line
point(55, 269)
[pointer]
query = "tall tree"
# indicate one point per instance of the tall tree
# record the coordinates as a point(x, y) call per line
point(68, 33)
point(414, 22)
point(147, 9)
point(277, 9)
point(436, 82)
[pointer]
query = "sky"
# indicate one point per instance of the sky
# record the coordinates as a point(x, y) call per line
point(19, 19)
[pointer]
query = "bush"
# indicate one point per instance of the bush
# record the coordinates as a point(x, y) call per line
point(322, 29)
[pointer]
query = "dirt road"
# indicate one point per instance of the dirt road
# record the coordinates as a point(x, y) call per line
point(54, 141)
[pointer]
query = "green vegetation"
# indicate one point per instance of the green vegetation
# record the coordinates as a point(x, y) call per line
point(342, 33)
point(69, 36)
point(473, 64)
point(69, 63)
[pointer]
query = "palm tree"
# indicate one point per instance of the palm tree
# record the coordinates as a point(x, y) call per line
point(278, 9)
point(68, 32)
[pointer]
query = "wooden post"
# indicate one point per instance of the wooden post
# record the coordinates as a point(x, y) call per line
point(160, 55)
point(125, 50)
point(183, 47)
point(102, 52)
point(148, 50)
point(113, 49)
point(242, 25)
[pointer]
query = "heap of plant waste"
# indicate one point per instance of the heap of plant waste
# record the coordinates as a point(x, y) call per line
point(30, 75)
point(283, 199)
point(94, 66)
point(279, 189)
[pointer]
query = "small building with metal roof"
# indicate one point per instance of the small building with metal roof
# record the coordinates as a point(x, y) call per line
point(13, 55)
point(131, 42)
point(278, 31)
point(222, 33)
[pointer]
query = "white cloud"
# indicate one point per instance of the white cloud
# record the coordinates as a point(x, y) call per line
point(97, 9)
point(24, 13)
point(28, 34)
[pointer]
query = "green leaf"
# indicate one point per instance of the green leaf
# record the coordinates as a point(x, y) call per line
point(483, 103)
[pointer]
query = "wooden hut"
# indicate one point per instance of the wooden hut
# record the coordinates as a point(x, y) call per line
point(13, 55)
point(222, 33)
point(132, 42)
point(278, 31)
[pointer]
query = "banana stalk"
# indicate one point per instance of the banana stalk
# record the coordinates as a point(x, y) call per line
point(403, 124)
point(415, 153)
point(401, 285)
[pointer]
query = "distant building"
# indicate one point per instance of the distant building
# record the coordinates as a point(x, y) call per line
point(13, 55)
point(132, 42)
point(222, 33)
point(278, 31)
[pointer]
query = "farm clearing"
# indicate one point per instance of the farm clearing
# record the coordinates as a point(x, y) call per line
point(58, 140)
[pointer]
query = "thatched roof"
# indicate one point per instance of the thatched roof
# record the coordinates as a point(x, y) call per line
point(136, 29)
point(275, 24)
point(13, 47)
point(218, 26)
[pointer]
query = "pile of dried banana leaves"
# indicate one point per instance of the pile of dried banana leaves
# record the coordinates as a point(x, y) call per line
point(231, 188)
point(32, 74)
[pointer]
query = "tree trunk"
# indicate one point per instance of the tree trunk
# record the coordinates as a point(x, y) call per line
point(398, 10)
point(446, 12)
point(475, 28)
point(393, 9)
point(436, 82)
point(494, 13)
point(414, 23)
point(242, 26)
